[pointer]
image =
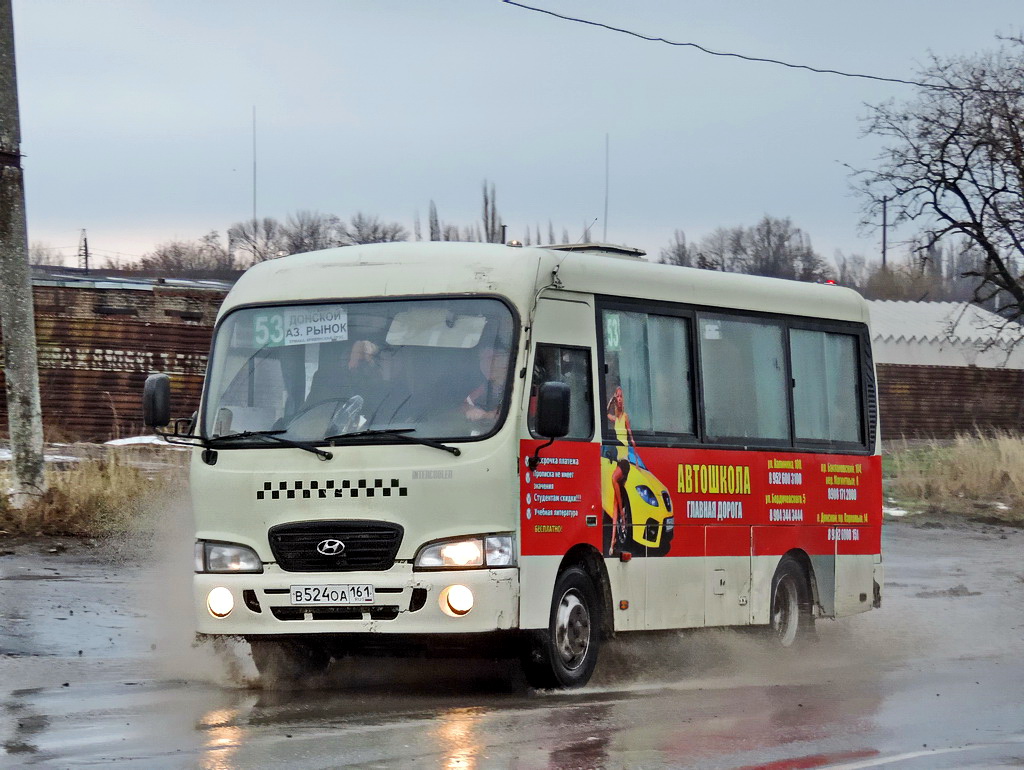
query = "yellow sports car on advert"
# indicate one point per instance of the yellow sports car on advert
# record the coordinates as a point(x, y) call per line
point(647, 525)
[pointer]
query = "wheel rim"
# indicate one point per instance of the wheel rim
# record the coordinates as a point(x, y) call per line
point(572, 630)
point(786, 610)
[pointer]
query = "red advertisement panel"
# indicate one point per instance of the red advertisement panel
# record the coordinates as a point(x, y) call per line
point(653, 502)
point(560, 499)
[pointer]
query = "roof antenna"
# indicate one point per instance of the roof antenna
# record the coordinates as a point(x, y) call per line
point(584, 234)
point(604, 238)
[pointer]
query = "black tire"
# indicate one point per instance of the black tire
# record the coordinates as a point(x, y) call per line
point(791, 620)
point(285, 663)
point(565, 655)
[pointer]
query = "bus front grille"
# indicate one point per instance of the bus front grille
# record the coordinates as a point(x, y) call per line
point(383, 612)
point(335, 546)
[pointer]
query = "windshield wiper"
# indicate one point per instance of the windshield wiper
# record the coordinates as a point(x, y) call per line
point(273, 435)
point(399, 433)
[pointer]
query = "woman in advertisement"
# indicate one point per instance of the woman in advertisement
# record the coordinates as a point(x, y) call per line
point(625, 445)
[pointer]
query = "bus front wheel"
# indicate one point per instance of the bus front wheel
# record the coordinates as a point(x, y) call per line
point(791, 620)
point(565, 655)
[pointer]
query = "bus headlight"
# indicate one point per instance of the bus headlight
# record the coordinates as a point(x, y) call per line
point(226, 558)
point(467, 553)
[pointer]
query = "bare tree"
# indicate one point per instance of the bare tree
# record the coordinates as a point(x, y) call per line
point(852, 270)
point(721, 250)
point(678, 252)
point(954, 162)
point(435, 223)
point(207, 256)
point(255, 240)
point(491, 220)
point(773, 247)
point(40, 253)
point(309, 231)
point(364, 228)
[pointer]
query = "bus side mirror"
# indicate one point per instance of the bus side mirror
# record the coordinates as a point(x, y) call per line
point(553, 410)
point(156, 401)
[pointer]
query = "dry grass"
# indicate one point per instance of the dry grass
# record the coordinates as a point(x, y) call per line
point(107, 492)
point(981, 476)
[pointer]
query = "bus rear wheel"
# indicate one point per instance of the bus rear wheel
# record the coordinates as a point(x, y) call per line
point(565, 655)
point(284, 663)
point(791, 620)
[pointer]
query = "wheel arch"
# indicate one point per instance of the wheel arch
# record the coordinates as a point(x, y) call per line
point(801, 557)
point(589, 559)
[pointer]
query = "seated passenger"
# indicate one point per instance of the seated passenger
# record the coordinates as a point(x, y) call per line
point(483, 403)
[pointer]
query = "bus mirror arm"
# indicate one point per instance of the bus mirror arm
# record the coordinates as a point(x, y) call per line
point(552, 416)
point(534, 460)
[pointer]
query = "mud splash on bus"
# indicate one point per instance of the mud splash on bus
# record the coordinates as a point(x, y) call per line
point(715, 658)
point(163, 594)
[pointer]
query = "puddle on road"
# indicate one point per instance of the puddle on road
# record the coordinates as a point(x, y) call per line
point(143, 681)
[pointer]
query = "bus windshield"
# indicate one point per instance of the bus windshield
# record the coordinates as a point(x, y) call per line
point(437, 368)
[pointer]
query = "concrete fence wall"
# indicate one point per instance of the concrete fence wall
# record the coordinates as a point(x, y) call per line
point(942, 401)
point(98, 345)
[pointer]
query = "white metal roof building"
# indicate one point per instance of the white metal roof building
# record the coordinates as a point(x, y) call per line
point(946, 368)
point(944, 334)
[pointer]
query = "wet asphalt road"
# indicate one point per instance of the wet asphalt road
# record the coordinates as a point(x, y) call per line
point(97, 666)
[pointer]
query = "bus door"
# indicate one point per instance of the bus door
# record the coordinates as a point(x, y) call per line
point(561, 495)
point(647, 412)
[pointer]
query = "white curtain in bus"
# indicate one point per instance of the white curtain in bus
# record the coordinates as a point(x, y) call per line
point(825, 390)
point(743, 370)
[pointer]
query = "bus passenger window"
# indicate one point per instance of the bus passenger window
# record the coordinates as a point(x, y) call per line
point(571, 366)
point(826, 406)
point(743, 371)
point(648, 357)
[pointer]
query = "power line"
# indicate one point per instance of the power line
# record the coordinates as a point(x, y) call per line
point(115, 253)
point(756, 59)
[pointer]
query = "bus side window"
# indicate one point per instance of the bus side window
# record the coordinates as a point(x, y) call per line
point(647, 358)
point(743, 369)
point(553, 363)
point(825, 376)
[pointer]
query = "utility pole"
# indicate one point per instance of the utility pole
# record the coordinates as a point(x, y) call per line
point(21, 367)
point(83, 251)
point(885, 229)
point(604, 238)
point(254, 171)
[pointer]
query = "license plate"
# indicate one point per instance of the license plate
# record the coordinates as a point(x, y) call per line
point(354, 593)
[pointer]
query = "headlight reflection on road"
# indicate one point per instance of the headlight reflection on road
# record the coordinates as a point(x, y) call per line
point(457, 738)
point(223, 737)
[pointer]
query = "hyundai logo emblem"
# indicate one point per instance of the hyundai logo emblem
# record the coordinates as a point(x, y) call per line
point(330, 547)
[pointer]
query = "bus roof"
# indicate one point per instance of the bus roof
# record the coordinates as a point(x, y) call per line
point(439, 268)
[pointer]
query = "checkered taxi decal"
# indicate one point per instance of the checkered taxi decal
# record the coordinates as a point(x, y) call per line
point(306, 490)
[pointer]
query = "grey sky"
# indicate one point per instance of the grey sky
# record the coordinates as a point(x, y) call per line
point(137, 114)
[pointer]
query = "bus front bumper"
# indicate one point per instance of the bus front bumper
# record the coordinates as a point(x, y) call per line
point(405, 602)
